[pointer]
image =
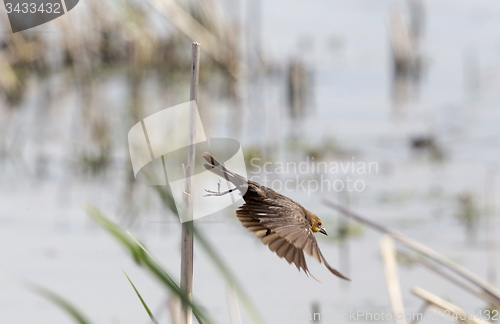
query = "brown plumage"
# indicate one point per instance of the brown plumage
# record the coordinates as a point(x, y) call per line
point(279, 222)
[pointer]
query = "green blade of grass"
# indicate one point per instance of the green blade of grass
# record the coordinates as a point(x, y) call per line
point(142, 258)
point(160, 267)
point(146, 251)
point(153, 319)
point(59, 301)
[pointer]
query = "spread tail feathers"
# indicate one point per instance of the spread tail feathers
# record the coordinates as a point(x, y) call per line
point(217, 168)
point(332, 270)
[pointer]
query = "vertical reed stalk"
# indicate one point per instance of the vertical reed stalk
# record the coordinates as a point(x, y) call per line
point(187, 227)
point(392, 277)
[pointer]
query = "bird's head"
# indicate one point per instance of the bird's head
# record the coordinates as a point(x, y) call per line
point(317, 225)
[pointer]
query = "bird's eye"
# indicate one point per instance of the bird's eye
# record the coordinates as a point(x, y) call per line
point(319, 223)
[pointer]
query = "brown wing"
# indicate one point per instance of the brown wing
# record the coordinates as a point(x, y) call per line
point(280, 223)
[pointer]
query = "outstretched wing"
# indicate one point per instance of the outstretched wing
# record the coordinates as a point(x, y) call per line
point(275, 242)
point(280, 223)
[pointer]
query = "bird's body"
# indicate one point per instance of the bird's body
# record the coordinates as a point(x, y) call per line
point(279, 222)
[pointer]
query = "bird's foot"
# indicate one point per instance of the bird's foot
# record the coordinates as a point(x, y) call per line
point(217, 193)
point(213, 193)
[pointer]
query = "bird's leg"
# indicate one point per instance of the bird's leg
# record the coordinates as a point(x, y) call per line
point(218, 193)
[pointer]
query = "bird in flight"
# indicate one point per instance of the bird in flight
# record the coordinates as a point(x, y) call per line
point(279, 222)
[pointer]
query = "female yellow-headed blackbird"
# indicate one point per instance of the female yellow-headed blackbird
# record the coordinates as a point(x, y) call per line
point(281, 223)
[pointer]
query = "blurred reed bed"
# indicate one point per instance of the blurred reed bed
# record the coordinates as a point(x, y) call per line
point(70, 90)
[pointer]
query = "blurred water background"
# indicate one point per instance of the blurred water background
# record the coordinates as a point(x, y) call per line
point(412, 86)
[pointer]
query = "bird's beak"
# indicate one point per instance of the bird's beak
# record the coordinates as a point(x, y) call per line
point(323, 231)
